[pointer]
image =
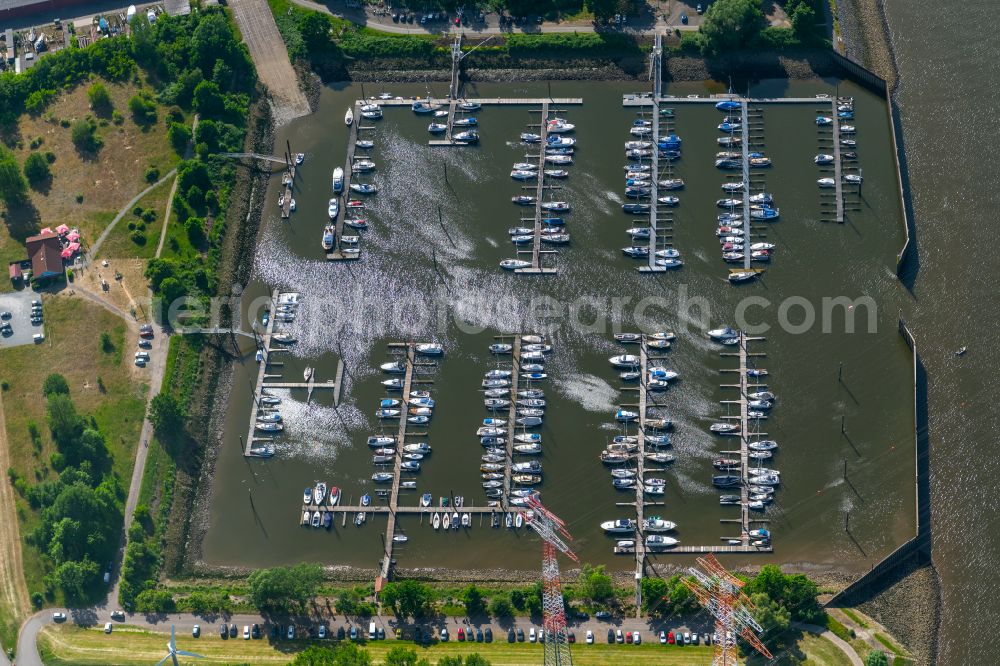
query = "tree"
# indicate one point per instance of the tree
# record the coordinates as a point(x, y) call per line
point(476, 659)
point(55, 384)
point(284, 588)
point(804, 22)
point(408, 598)
point(400, 656)
point(876, 658)
point(473, 600)
point(64, 423)
point(13, 187)
point(179, 136)
point(772, 616)
point(100, 99)
point(500, 608)
point(595, 584)
point(84, 138)
point(731, 25)
point(315, 30)
point(75, 577)
point(155, 601)
point(36, 169)
point(655, 596)
point(601, 9)
point(166, 413)
point(208, 99)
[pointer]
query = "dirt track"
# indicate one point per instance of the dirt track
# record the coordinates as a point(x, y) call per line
point(260, 33)
point(13, 593)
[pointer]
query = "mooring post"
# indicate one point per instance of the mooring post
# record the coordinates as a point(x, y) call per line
point(847, 522)
point(843, 430)
point(840, 372)
point(845, 469)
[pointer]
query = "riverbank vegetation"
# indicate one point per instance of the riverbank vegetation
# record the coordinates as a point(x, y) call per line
point(71, 437)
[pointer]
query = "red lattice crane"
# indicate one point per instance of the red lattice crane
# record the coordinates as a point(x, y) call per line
point(554, 537)
point(721, 593)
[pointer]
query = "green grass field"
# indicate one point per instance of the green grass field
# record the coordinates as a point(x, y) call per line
point(129, 646)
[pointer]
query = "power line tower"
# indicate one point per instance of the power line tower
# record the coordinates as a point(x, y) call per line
point(554, 536)
point(721, 594)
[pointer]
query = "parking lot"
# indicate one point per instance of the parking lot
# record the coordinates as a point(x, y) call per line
point(18, 304)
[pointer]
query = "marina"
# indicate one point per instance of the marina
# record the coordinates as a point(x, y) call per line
point(355, 307)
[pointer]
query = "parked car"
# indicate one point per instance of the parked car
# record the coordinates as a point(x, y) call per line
point(510, 636)
point(699, 8)
point(694, 638)
point(603, 615)
point(670, 638)
point(520, 635)
point(687, 638)
point(118, 615)
point(354, 633)
point(341, 633)
point(380, 634)
point(145, 344)
point(291, 632)
point(684, 19)
point(532, 637)
point(706, 638)
point(5, 315)
point(274, 632)
point(196, 631)
point(461, 635)
point(58, 617)
point(479, 635)
point(255, 630)
point(611, 635)
point(590, 637)
point(619, 636)
point(636, 638)
point(628, 637)
point(232, 630)
point(322, 631)
point(223, 631)
point(108, 627)
point(488, 635)
point(38, 338)
point(570, 636)
point(444, 634)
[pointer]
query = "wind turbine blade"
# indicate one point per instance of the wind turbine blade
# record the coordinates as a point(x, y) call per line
point(160, 662)
point(185, 653)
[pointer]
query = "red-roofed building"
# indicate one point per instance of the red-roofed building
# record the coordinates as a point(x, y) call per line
point(45, 253)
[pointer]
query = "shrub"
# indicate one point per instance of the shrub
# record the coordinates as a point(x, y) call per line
point(84, 137)
point(50, 157)
point(138, 238)
point(138, 210)
point(179, 136)
point(79, 198)
point(143, 108)
point(149, 216)
point(55, 384)
point(152, 174)
point(117, 118)
point(36, 169)
point(100, 99)
point(107, 345)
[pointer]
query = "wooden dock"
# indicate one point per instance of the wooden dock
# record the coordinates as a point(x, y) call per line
point(745, 148)
point(289, 180)
point(337, 253)
point(640, 475)
point(647, 100)
point(656, 72)
point(511, 419)
point(492, 101)
point(261, 371)
point(838, 173)
point(536, 267)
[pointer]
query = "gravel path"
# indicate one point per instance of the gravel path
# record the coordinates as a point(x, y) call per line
point(12, 587)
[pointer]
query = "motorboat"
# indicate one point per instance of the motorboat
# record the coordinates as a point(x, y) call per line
point(382, 477)
point(559, 126)
point(528, 449)
point(528, 137)
point(625, 416)
point(726, 163)
point(847, 129)
point(766, 479)
point(671, 183)
point(556, 206)
point(530, 467)
point(823, 158)
point(529, 421)
point(723, 333)
point(640, 131)
point(757, 372)
point(853, 179)
point(465, 122)
point(639, 233)
point(362, 166)
point(555, 239)
point(364, 144)
point(410, 466)
point(523, 200)
point(624, 361)
point(660, 541)
point(660, 457)
point(558, 159)
point(387, 413)
point(364, 188)
point(420, 106)
point(668, 200)
point(762, 198)
point(828, 183)
point(729, 127)
point(823, 121)
point(760, 255)
point(526, 479)
point(760, 161)
point(398, 367)
point(501, 348)
point(623, 473)
point(729, 500)
point(620, 526)
point(765, 213)
point(762, 246)
point(437, 128)
point(418, 420)
point(441, 113)
point(729, 141)
point(468, 136)
point(657, 524)
point(638, 145)
point(264, 426)
point(523, 175)
point(623, 484)
point(372, 113)
point(429, 349)
point(394, 384)
point(560, 141)
point(349, 117)
point(728, 105)
point(849, 143)
point(382, 459)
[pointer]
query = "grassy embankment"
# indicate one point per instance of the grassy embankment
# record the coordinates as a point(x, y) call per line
point(86, 189)
point(102, 384)
point(66, 645)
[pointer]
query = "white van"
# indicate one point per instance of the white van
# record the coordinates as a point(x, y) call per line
point(372, 632)
point(142, 355)
point(38, 338)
